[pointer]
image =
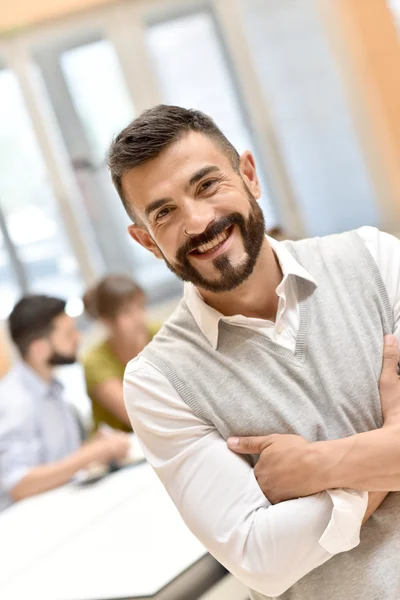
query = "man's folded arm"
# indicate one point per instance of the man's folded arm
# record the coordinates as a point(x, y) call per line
point(267, 547)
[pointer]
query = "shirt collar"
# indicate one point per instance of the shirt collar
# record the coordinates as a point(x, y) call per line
point(207, 318)
point(32, 380)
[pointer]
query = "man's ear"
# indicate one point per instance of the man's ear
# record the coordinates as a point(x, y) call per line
point(142, 237)
point(249, 173)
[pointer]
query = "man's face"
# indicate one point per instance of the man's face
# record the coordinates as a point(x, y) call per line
point(63, 342)
point(131, 320)
point(192, 186)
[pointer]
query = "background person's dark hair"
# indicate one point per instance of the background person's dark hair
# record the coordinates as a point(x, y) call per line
point(32, 318)
point(153, 131)
point(110, 295)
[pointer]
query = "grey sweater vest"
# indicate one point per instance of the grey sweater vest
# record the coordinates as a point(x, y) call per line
point(326, 389)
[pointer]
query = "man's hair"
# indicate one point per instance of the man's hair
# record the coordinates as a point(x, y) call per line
point(32, 318)
point(153, 131)
point(109, 296)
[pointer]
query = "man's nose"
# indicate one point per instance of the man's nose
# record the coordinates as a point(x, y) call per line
point(198, 216)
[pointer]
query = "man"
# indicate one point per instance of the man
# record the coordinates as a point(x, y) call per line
point(270, 338)
point(40, 445)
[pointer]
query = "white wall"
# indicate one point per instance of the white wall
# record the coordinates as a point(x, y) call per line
point(303, 89)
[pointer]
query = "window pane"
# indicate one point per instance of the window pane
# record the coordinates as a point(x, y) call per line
point(26, 200)
point(99, 93)
point(193, 72)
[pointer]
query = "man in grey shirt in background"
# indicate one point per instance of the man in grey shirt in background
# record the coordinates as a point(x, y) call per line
point(40, 446)
point(272, 358)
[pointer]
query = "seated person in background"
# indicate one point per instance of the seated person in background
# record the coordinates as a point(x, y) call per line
point(40, 446)
point(119, 304)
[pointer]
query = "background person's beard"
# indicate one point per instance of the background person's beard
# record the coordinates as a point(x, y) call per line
point(60, 360)
point(252, 230)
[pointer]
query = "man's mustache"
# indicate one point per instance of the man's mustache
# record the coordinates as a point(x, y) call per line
point(216, 228)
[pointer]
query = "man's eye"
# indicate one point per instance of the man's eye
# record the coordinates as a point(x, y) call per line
point(163, 213)
point(207, 184)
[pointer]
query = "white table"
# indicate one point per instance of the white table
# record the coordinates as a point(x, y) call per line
point(119, 538)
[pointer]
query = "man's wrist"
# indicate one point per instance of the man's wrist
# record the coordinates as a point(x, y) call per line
point(356, 461)
point(323, 463)
point(87, 454)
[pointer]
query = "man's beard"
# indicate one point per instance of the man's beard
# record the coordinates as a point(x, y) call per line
point(252, 231)
point(60, 360)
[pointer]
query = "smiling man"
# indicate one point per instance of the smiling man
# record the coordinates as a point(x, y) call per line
point(270, 338)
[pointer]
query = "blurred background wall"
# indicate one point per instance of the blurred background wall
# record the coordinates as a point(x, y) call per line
point(311, 86)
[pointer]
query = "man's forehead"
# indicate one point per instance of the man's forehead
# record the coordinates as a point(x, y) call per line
point(174, 166)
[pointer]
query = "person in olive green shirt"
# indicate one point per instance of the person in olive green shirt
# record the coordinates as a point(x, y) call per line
point(120, 305)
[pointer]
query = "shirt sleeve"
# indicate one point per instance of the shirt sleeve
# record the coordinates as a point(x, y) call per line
point(385, 249)
point(98, 368)
point(20, 446)
point(267, 547)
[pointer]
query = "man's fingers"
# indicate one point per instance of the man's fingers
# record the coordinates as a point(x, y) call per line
point(390, 358)
point(249, 445)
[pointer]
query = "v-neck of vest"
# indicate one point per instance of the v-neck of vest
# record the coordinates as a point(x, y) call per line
point(272, 346)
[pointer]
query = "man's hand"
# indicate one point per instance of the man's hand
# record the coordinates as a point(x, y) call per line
point(389, 383)
point(285, 469)
point(290, 467)
point(103, 449)
point(109, 447)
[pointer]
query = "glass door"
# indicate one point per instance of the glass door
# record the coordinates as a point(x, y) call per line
point(85, 83)
point(98, 92)
point(29, 210)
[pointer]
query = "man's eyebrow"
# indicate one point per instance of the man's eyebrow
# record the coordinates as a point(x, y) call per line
point(196, 177)
point(155, 205)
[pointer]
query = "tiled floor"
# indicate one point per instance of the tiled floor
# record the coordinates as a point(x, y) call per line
point(229, 589)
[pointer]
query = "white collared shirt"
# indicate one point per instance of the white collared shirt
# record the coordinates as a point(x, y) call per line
point(283, 331)
point(268, 548)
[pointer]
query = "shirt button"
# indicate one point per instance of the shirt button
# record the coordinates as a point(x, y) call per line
point(279, 329)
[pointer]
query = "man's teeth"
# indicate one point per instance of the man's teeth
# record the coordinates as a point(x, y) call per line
point(219, 239)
